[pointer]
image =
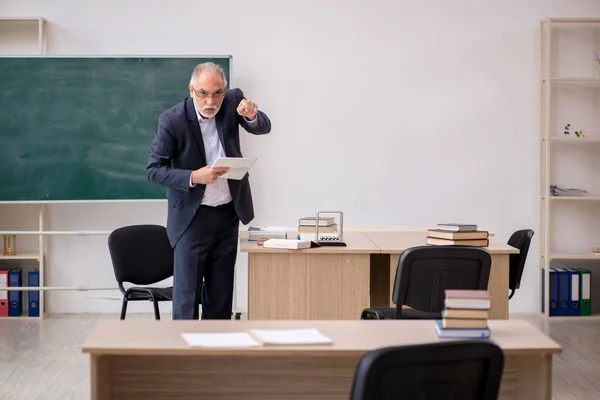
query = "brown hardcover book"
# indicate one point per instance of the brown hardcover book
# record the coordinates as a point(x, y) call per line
point(452, 313)
point(468, 299)
point(312, 221)
point(464, 323)
point(322, 229)
point(467, 294)
point(439, 234)
point(467, 242)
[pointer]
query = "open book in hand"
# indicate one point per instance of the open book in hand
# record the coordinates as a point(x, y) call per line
point(238, 167)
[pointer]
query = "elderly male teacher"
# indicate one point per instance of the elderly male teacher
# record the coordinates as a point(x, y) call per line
point(204, 210)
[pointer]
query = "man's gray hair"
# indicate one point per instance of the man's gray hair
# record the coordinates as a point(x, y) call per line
point(208, 67)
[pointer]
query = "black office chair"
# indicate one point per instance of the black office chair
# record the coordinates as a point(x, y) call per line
point(423, 275)
point(142, 255)
point(521, 240)
point(465, 370)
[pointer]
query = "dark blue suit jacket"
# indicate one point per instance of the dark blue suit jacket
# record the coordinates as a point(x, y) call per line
point(178, 149)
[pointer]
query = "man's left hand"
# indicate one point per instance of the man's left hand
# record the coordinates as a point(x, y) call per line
point(247, 109)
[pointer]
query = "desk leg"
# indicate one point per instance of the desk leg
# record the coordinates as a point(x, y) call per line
point(307, 286)
point(497, 285)
point(100, 375)
point(394, 258)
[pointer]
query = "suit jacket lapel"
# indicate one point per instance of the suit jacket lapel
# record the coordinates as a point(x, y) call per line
point(195, 126)
point(219, 122)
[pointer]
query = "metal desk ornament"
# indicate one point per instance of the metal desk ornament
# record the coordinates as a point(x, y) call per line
point(330, 240)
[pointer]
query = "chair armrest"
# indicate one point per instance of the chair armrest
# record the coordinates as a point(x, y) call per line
point(378, 313)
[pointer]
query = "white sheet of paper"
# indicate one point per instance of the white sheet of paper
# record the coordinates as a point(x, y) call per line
point(291, 336)
point(237, 166)
point(220, 340)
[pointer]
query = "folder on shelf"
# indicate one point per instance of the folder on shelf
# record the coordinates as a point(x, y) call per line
point(575, 292)
point(3, 293)
point(564, 292)
point(553, 290)
point(33, 296)
point(14, 296)
point(585, 290)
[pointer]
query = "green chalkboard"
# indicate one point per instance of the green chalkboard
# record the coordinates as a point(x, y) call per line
point(79, 128)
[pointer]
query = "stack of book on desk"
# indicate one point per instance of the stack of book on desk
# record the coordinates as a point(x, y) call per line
point(458, 234)
point(307, 227)
point(465, 314)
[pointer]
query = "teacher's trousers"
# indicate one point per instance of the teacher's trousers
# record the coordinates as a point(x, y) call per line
point(206, 251)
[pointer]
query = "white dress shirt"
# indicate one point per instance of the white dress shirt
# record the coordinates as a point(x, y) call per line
point(216, 193)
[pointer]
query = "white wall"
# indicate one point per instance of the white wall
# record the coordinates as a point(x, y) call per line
point(397, 112)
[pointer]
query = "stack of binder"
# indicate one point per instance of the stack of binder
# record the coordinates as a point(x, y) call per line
point(11, 301)
point(570, 292)
point(465, 314)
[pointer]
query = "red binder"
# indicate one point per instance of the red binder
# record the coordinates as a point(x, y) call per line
point(3, 294)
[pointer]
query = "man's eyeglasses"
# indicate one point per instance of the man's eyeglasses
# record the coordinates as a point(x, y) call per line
point(204, 95)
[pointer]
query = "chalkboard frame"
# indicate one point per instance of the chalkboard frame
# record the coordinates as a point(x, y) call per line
point(124, 56)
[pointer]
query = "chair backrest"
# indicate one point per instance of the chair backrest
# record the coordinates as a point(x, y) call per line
point(141, 254)
point(425, 272)
point(466, 370)
point(521, 240)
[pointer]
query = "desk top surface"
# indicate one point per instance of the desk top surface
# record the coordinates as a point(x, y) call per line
point(150, 337)
point(374, 242)
point(395, 242)
point(356, 242)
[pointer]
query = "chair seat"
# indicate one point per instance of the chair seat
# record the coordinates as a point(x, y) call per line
point(390, 313)
point(143, 293)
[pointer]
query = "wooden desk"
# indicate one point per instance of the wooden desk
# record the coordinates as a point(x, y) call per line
point(339, 282)
point(318, 283)
point(393, 244)
point(147, 359)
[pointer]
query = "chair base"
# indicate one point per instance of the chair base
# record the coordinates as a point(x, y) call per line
point(146, 294)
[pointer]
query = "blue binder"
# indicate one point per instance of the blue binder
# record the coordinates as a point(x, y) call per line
point(15, 309)
point(553, 290)
point(564, 292)
point(575, 297)
point(34, 295)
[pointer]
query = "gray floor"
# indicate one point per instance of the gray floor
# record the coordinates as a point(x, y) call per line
point(43, 360)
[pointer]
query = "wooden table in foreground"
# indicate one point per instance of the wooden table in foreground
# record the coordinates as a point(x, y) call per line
point(148, 359)
point(339, 282)
point(392, 244)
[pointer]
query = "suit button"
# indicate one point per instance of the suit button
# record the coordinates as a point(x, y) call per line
point(194, 211)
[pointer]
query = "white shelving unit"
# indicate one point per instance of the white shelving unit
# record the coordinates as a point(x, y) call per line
point(570, 94)
point(39, 25)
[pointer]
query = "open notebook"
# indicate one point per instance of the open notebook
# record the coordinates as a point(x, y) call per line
point(257, 337)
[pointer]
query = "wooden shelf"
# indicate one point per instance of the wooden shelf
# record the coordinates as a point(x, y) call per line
point(573, 79)
point(573, 317)
point(574, 198)
point(24, 256)
point(573, 20)
point(23, 19)
point(574, 256)
point(575, 140)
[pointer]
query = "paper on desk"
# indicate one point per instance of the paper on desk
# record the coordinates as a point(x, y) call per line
point(291, 336)
point(238, 167)
point(220, 340)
